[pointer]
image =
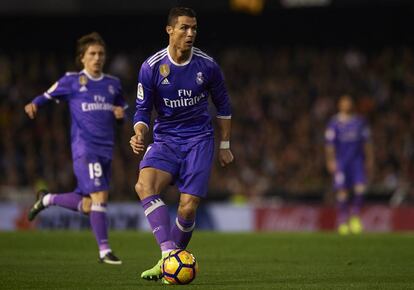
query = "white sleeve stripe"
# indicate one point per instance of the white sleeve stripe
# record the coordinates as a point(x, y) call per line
point(48, 96)
point(141, 122)
point(200, 52)
point(203, 56)
point(156, 54)
point(157, 59)
point(224, 117)
point(112, 77)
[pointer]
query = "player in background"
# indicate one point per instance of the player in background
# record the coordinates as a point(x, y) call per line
point(177, 81)
point(95, 101)
point(350, 160)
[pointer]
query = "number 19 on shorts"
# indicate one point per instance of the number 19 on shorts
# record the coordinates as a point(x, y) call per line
point(95, 170)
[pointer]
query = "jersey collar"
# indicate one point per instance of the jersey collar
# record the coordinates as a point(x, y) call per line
point(179, 64)
point(345, 118)
point(91, 77)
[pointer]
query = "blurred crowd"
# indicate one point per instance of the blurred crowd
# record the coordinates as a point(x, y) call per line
point(282, 100)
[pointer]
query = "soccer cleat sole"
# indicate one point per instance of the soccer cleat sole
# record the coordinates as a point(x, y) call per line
point(109, 262)
point(110, 259)
point(37, 206)
point(153, 277)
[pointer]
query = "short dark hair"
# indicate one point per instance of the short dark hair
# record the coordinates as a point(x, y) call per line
point(84, 42)
point(179, 11)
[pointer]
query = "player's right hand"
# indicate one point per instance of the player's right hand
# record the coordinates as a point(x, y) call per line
point(31, 110)
point(137, 143)
point(331, 165)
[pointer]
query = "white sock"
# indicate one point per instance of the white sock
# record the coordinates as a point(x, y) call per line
point(165, 253)
point(46, 200)
point(102, 253)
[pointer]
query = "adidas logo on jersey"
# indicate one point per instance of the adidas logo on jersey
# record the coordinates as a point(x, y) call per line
point(165, 82)
point(83, 89)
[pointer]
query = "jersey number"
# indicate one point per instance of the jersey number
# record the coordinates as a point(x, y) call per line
point(95, 170)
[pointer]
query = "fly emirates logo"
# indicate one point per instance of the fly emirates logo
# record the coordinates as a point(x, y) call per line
point(185, 99)
point(98, 105)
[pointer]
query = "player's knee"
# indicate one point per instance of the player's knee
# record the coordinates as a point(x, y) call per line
point(99, 197)
point(360, 189)
point(143, 190)
point(86, 205)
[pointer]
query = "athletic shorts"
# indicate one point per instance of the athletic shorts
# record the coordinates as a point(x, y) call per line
point(189, 164)
point(347, 177)
point(93, 173)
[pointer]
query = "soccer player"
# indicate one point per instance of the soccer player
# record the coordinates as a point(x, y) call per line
point(349, 158)
point(178, 81)
point(95, 100)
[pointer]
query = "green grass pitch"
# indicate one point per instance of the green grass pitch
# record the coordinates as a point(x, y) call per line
point(68, 260)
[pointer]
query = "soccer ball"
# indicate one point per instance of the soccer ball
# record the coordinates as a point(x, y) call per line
point(179, 267)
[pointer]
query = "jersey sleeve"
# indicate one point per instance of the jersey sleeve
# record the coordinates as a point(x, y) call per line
point(365, 132)
point(144, 100)
point(330, 133)
point(59, 91)
point(219, 93)
point(119, 96)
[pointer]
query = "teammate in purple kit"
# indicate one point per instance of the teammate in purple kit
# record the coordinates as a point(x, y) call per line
point(177, 81)
point(349, 158)
point(95, 100)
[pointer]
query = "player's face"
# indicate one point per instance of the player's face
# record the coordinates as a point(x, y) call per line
point(183, 33)
point(345, 105)
point(94, 59)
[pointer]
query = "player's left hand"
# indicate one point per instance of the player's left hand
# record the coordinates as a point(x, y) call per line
point(119, 112)
point(225, 157)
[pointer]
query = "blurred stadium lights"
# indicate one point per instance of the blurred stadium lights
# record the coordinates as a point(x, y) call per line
point(72, 7)
point(304, 3)
point(254, 7)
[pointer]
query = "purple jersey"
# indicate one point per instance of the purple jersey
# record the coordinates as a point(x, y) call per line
point(91, 102)
point(348, 138)
point(179, 93)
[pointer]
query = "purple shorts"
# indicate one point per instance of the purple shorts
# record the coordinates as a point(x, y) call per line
point(93, 173)
point(189, 164)
point(347, 177)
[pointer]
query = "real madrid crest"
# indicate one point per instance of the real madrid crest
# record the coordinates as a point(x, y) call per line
point(111, 89)
point(200, 78)
point(83, 80)
point(164, 70)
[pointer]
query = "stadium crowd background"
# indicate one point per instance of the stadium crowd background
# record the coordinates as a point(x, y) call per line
point(283, 93)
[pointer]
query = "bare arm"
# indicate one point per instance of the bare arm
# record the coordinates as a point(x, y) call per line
point(330, 158)
point(225, 155)
point(369, 159)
